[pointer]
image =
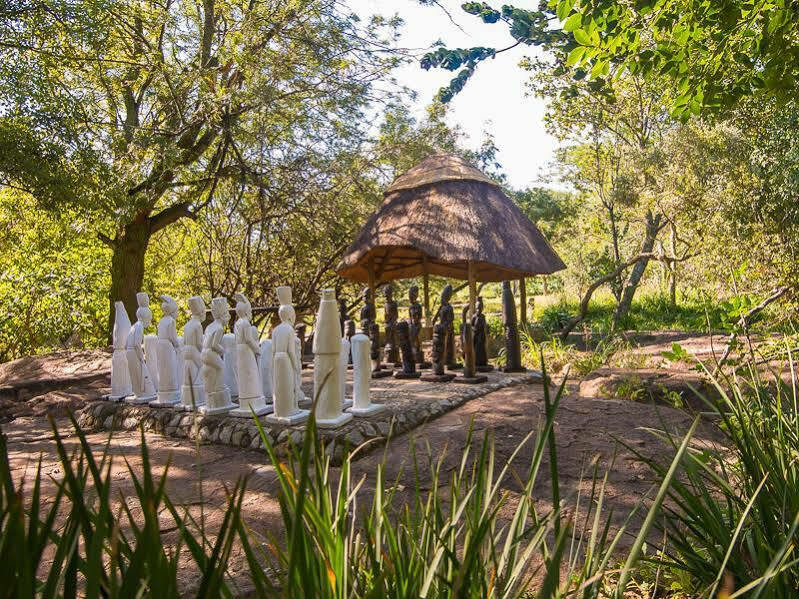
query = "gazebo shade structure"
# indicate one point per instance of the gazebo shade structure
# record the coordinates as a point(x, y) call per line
point(445, 217)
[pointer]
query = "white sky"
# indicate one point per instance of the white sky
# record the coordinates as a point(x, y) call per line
point(493, 99)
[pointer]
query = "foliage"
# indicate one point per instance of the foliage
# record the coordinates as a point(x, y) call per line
point(146, 111)
point(651, 312)
point(732, 521)
point(53, 280)
point(476, 540)
point(80, 541)
point(715, 53)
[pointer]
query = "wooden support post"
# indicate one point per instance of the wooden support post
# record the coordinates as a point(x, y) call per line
point(472, 288)
point(370, 266)
point(522, 302)
point(426, 292)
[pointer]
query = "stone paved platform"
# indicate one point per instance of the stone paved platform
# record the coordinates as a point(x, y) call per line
point(409, 403)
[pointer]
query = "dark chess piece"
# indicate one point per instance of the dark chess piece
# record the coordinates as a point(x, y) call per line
point(391, 350)
point(343, 316)
point(408, 364)
point(377, 367)
point(447, 316)
point(415, 322)
point(349, 332)
point(300, 330)
point(467, 345)
point(513, 348)
point(439, 351)
point(368, 314)
point(480, 334)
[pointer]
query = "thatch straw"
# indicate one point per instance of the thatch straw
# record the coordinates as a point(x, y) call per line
point(440, 215)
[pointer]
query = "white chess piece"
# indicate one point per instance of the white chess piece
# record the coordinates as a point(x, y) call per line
point(193, 389)
point(151, 355)
point(217, 395)
point(248, 350)
point(343, 358)
point(362, 378)
point(167, 354)
point(265, 363)
point(285, 407)
point(120, 376)
point(231, 365)
point(327, 352)
point(141, 382)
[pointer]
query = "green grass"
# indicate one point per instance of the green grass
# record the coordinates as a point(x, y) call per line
point(654, 312)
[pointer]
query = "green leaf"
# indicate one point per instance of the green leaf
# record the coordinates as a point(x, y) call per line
point(575, 56)
point(582, 37)
point(564, 7)
point(573, 22)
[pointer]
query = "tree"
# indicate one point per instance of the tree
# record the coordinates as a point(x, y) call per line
point(715, 53)
point(134, 113)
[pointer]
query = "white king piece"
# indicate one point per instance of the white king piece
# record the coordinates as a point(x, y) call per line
point(327, 350)
point(120, 377)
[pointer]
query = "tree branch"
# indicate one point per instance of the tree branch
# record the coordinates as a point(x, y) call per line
point(169, 215)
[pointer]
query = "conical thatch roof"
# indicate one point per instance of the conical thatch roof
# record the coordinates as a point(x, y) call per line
point(441, 214)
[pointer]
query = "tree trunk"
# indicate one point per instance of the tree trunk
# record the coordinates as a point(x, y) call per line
point(673, 267)
point(616, 286)
point(652, 229)
point(127, 268)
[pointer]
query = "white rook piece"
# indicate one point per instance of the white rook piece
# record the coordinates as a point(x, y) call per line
point(248, 350)
point(327, 350)
point(362, 378)
point(286, 410)
point(193, 390)
point(167, 355)
point(141, 382)
point(217, 395)
point(120, 376)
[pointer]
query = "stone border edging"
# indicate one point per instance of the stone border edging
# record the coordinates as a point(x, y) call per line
point(243, 433)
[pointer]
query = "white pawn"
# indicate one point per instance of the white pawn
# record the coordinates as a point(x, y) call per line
point(231, 366)
point(286, 411)
point(167, 349)
point(140, 380)
point(120, 376)
point(362, 377)
point(193, 389)
point(217, 395)
point(265, 363)
point(299, 394)
point(343, 358)
point(151, 355)
point(327, 352)
point(248, 350)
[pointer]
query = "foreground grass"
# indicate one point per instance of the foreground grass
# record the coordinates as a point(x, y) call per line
point(731, 522)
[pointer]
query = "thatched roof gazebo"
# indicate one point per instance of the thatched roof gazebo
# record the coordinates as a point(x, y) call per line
point(445, 217)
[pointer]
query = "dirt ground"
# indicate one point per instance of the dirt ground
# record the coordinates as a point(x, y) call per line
point(586, 429)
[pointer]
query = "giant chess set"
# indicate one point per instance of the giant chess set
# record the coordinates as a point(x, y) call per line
point(236, 373)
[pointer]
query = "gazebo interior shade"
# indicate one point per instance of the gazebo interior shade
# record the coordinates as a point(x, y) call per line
point(437, 218)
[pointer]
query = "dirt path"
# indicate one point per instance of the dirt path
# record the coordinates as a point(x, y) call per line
point(585, 429)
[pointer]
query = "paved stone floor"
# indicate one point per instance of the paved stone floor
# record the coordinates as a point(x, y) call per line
point(409, 403)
